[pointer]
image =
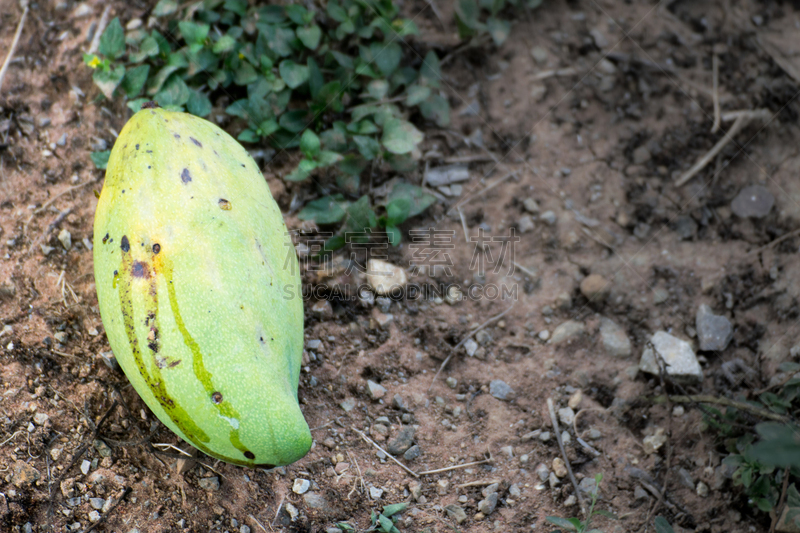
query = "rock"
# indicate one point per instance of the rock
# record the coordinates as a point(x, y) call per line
point(488, 505)
point(595, 288)
point(553, 480)
point(316, 501)
point(588, 485)
point(85, 466)
point(402, 441)
point(376, 390)
point(654, 442)
point(514, 491)
point(97, 503)
point(559, 467)
point(385, 277)
point(615, 341)
point(490, 489)
point(660, 295)
point(682, 364)
point(41, 419)
point(754, 201)
point(544, 335)
point(685, 227)
point(599, 38)
point(209, 483)
point(639, 494)
point(382, 320)
point(348, 404)
point(566, 415)
point(531, 206)
point(442, 487)
point(538, 91)
point(24, 474)
point(46, 250)
point(544, 436)
point(501, 390)
point(322, 309)
point(412, 453)
point(415, 488)
point(399, 403)
point(65, 238)
point(542, 471)
point(549, 218)
point(483, 337)
point(301, 486)
point(713, 331)
point(375, 493)
point(570, 501)
point(539, 54)
point(102, 448)
point(451, 382)
point(641, 155)
point(470, 346)
point(436, 177)
point(567, 332)
point(525, 224)
point(94, 516)
point(456, 512)
point(702, 489)
point(685, 478)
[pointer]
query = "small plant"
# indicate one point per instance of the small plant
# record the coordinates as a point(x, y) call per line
point(386, 519)
point(576, 524)
point(473, 22)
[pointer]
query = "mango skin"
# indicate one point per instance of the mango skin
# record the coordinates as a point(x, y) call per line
point(199, 289)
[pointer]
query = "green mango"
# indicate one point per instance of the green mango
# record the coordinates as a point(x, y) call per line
point(199, 289)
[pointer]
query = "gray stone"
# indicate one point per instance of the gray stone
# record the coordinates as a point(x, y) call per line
point(713, 331)
point(316, 501)
point(501, 390)
point(375, 493)
point(685, 478)
point(544, 436)
point(97, 503)
point(754, 201)
point(451, 382)
point(456, 512)
point(24, 474)
point(412, 453)
point(399, 403)
point(566, 415)
point(681, 361)
point(209, 483)
point(639, 494)
point(685, 227)
point(85, 466)
point(531, 206)
point(615, 341)
point(588, 486)
point(641, 155)
point(488, 505)
point(514, 491)
point(567, 332)
point(301, 486)
point(348, 404)
point(65, 238)
point(102, 448)
point(41, 419)
point(542, 471)
point(549, 218)
point(470, 346)
point(539, 54)
point(376, 390)
point(525, 224)
point(483, 337)
point(402, 442)
point(94, 516)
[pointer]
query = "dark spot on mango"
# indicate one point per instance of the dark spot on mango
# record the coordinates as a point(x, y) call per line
point(249, 454)
point(216, 397)
point(195, 141)
point(149, 167)
point(174, 364)
point(156, 248)
point(125, 245)
point(153, 345)
point(149, 151)
point(123, 191)
point(185, 176)
point(137, 146)
point(105, 239)
point(140, 270)
point(242, 165)
point(176, 136)
point(224, 204)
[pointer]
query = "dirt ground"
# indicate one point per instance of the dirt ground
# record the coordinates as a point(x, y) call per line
point(593, 110)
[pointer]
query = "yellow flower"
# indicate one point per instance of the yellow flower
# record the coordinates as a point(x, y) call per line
point(95, 62)
point(241, 55)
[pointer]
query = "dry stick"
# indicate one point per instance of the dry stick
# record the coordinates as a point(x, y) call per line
point(110, 510)
point(715, 93)
point(474, 158)
point(14, 42)
point(469, 198)
point(358, 469)
point(773, 243)
point(742, 118)
point(463, 224)
point(557, 431)
point(49, 202)
point(528, 272)
point(782, 502)
point(259, 524)
point(455, 467)
point(703, 398)
point(101, 27)
point(462, 341)
point(479, 483)
point(569, 71)
point(390, 456)
point(662, 370)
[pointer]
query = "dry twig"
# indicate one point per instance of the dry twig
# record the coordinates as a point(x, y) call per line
point(11, 50)
point(101, 27)
point(455, 467)
point(557, 431)
point(390, 456)
point(467, 199)
point(715, 94)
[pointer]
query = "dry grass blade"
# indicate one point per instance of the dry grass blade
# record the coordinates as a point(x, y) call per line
point(14, 42)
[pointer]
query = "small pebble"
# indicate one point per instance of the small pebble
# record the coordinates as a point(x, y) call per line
point(549, 218)
point(65, 238)
point(501, 390)
point(301, 486)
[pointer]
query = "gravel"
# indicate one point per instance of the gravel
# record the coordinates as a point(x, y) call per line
point(402, 442)
point(615, 341)
point(713, 331)
point(501, 390)
point(567, 332)
point(754, 201)
point(681, 360)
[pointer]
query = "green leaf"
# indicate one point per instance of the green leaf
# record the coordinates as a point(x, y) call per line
point(147, 48)
point(100, 159)
point(561, 522)
point(309, 36)
point(498, 29)
point(397, 211)
point(224, 44)
point(296, 13)
point(344, 60)
point(248, 136)
point(315, 78)
point(437, 109)
point(134, 80)
point(293, 73)
point(662, 526)
point(107, 81)
point(175, 92)
point(325, 210)
point(112, 42)
point(336, 11)
point(302, 171)
point(348, 183)
point(332, 244)
point(607, 514)
point(400, 136)
point(294, 121)
point(155, 82)
point(367, 146)
point(779, 445)
point(327, 158)
point(279, 39)
point(198, 104)
point(193, 32)
point(386, 525)
point(136, 105)
point(165, 7)
point(245, 74)
point(386, 57)
point(360, 216)
point(237, 6)
point(268, 127)
point(394, 234)
point(378, 89)
point(418, 200)
point(417, 94)
point(309, 144)
point(431, 70)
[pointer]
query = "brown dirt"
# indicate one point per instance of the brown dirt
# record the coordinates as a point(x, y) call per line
point(590, 122)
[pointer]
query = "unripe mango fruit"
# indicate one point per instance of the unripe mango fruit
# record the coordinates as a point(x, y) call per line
point(199, 289)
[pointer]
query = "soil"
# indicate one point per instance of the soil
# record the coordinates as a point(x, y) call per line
point(592, 109)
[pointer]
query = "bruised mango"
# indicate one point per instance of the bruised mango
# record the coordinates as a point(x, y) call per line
point(198, 287)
